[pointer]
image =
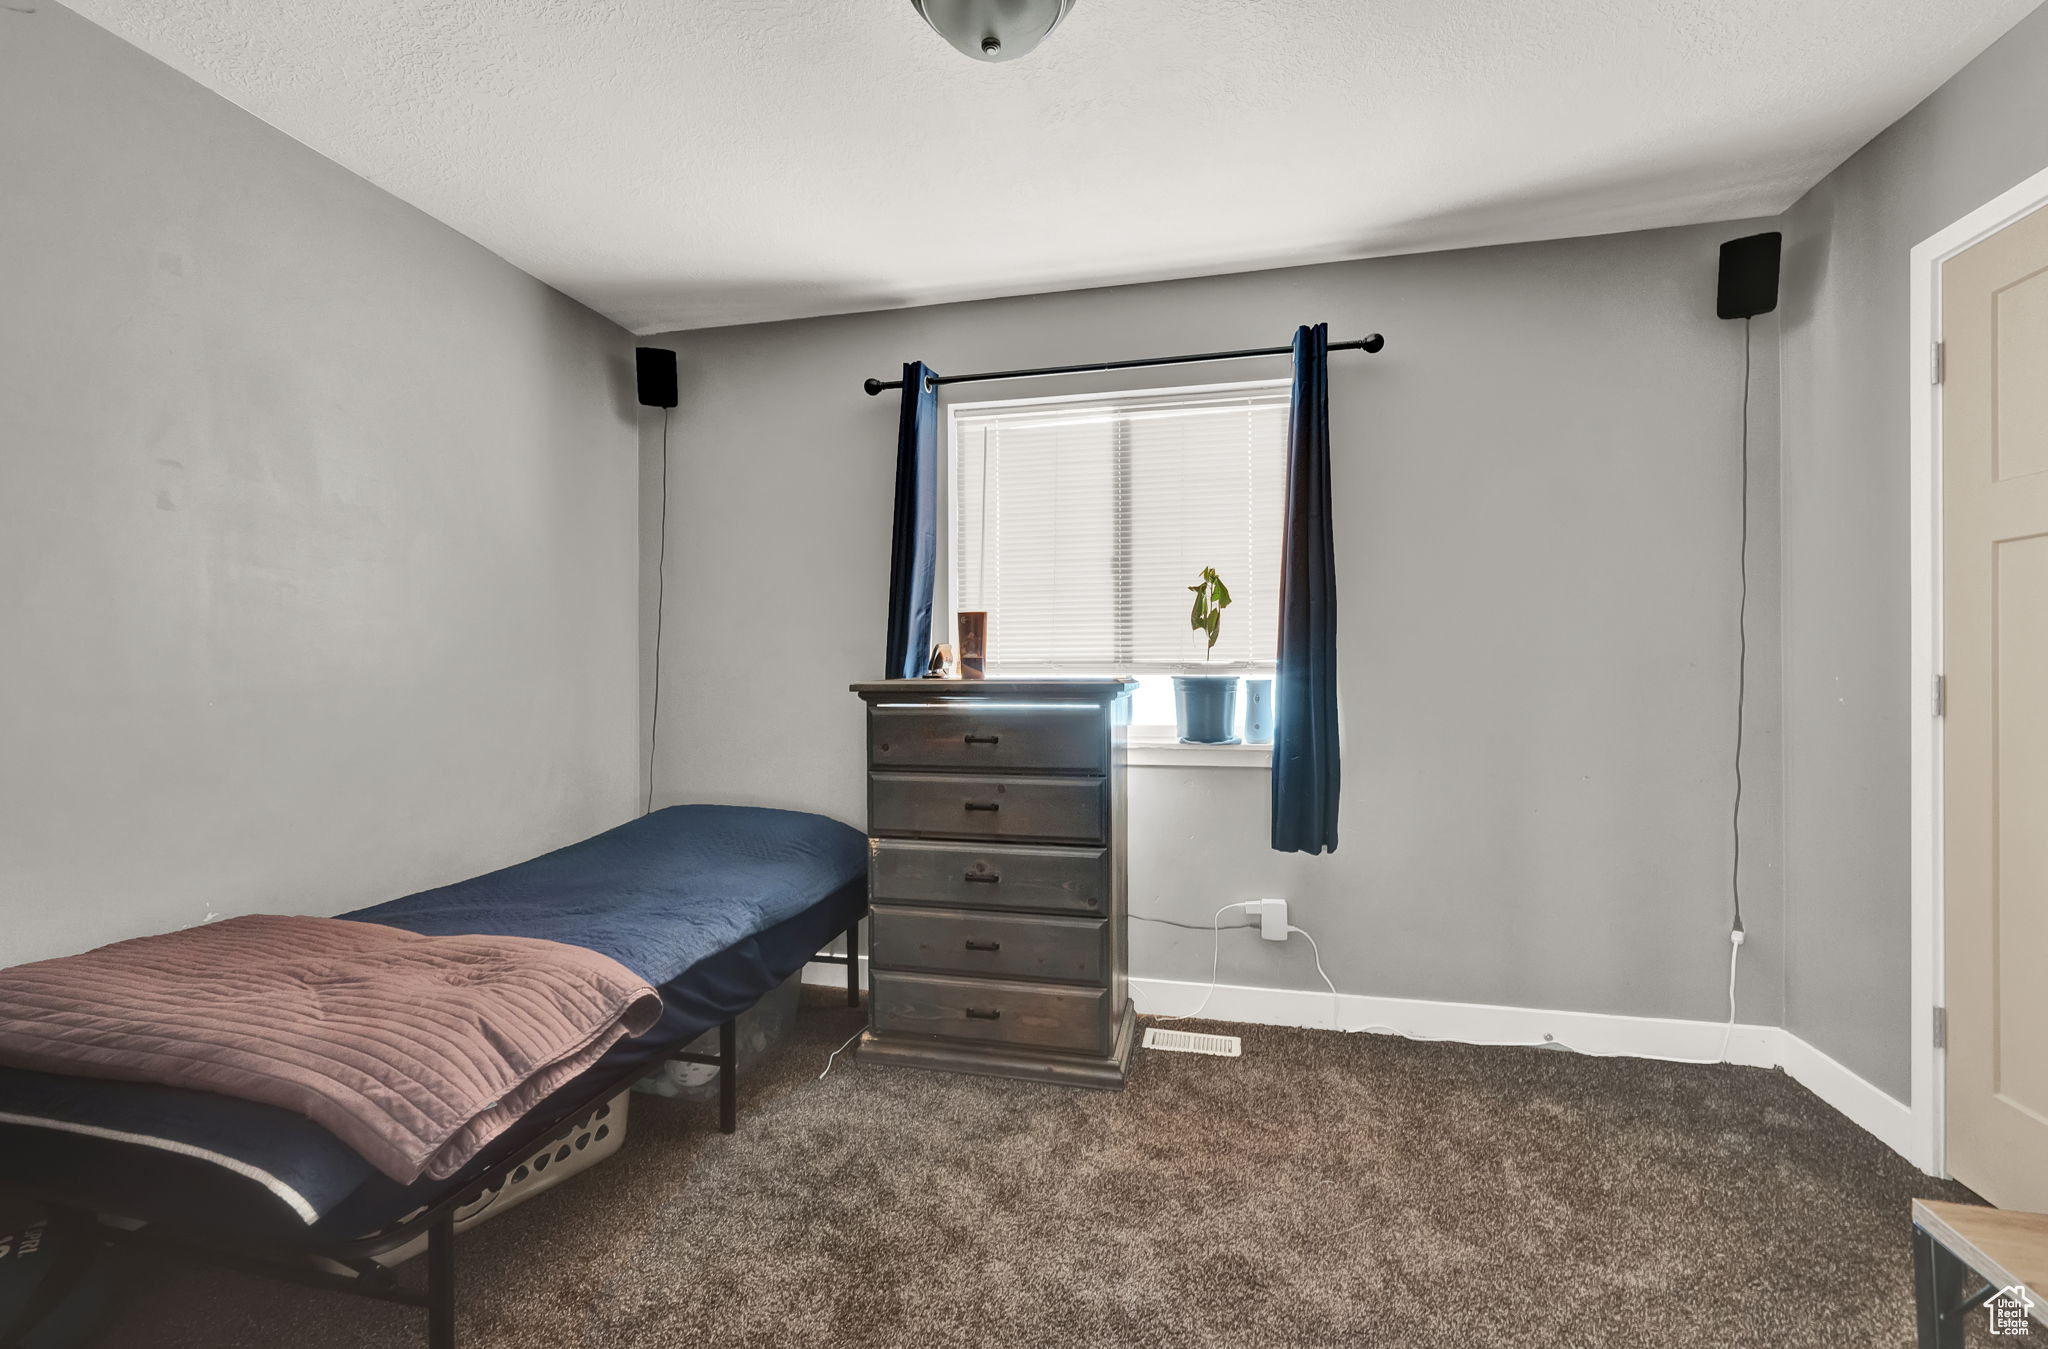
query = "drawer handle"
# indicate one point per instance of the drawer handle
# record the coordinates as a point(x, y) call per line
point(984, 1013)
point(984, 945)
point(982, 805)
point(984, 877)
point(983, 739)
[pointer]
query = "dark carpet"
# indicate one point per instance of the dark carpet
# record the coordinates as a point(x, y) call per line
point(1324, 1190)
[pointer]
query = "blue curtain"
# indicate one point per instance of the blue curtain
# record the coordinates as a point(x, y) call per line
point(914, 547)
point(1305, 768)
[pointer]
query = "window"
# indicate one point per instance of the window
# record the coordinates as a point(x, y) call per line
point(1080, 523)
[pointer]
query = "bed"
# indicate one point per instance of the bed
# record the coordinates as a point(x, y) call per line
point(715, 906)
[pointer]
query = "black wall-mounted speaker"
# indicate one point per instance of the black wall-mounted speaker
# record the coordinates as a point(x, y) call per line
point(656, 368)
point(1749, 276)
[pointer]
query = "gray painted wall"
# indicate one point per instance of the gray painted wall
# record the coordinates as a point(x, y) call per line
point(1846, 610)
point(1537, 496)
point(316, 522)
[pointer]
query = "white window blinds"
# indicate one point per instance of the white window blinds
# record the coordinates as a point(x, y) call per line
point(1079, 526)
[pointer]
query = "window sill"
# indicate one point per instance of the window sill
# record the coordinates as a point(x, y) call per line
point(1154, 751)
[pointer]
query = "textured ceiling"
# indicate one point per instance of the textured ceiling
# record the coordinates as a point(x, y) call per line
point(685, 163)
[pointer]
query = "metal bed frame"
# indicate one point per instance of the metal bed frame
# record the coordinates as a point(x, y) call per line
point(437, 1220)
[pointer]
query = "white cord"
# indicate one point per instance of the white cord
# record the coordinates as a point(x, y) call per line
point(1215, 959)
point(1734, 954)
point(1336, 1012)
point(841, 1050)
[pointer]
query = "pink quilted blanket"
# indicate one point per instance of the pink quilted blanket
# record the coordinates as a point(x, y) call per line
point(415, 1051)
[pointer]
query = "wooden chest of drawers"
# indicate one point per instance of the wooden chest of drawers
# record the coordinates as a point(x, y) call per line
point(996, 877)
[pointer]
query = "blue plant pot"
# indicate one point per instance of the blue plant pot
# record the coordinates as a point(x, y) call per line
point(1206, 707)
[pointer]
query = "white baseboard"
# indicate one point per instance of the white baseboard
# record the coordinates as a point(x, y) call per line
point(1753, 1046)
point(833, 975)
point(1882, 1115)
point(1465, 1022)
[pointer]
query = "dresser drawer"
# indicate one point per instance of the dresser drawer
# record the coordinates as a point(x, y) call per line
point(1033, 1016)
point(1001, 945)
point(972, 737)
point(976, 876)
point(1069, 810)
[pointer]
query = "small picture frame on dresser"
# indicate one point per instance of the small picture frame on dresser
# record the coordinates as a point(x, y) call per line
point(973, 643)
point(996, 878)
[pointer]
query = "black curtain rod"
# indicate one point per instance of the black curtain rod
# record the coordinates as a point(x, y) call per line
point(1369, 343)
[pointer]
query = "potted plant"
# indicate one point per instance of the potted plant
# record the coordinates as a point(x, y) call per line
point(1206, 704)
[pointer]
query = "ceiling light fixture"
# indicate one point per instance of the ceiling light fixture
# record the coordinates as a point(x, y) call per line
point(993, 30)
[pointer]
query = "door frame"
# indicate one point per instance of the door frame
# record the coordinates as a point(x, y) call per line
point(1924, 492)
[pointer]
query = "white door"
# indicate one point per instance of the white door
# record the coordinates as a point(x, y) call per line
point(1994, 445)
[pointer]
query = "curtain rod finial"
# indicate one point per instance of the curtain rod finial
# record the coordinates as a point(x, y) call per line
point(1373, 342)
point(873, 386)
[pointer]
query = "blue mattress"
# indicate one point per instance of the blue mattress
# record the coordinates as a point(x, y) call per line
point(714, 905)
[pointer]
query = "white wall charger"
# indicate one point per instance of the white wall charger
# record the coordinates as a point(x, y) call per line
point(1272, 914)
